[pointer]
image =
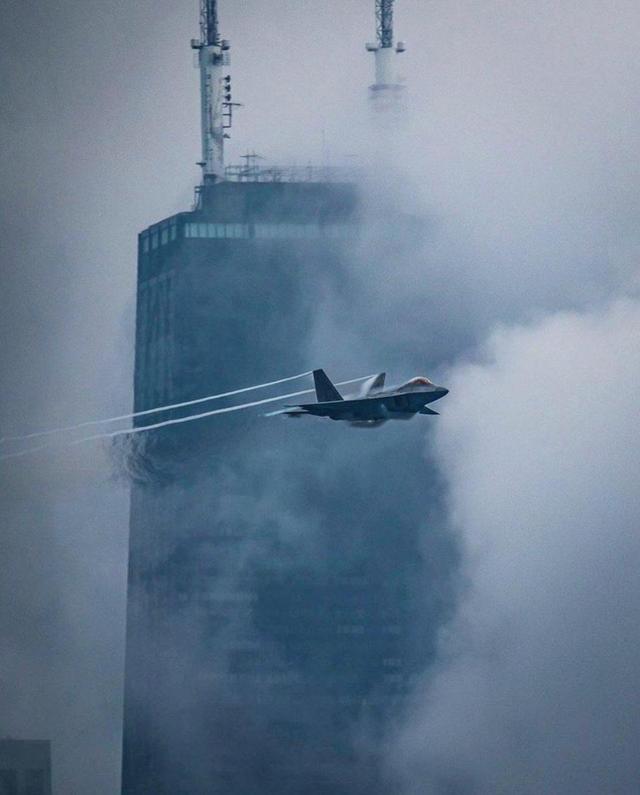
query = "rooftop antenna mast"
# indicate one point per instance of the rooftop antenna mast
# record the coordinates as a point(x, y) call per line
point(209, 22)
point(386, 89)
point(215, 92)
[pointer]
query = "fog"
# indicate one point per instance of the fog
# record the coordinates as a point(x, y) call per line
point(536, 687)
point(517, 153)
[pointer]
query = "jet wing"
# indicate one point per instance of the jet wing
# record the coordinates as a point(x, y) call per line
point(339, 408)
point(372, 408)
point(358, 409)
point(375, 407)
point(333, 408)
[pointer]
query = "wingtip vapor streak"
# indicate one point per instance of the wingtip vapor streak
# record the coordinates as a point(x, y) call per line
point(374, 405)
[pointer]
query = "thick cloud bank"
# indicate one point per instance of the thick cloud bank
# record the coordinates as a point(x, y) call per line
point(537, 686)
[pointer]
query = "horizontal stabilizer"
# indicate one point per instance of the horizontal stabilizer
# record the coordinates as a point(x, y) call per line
point(427, 410)
point(325, 390)
point(288, 411)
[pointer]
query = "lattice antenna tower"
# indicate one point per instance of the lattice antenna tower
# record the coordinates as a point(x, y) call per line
point(384, 22)
point(209, 32)
point(216, 105)
point(386, 88)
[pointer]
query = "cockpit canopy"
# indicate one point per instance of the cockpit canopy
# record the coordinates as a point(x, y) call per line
point(417, 382)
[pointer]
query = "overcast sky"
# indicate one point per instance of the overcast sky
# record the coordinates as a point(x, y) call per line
point(519, 151)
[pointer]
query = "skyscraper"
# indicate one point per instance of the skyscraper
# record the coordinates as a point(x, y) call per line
point(270, 640)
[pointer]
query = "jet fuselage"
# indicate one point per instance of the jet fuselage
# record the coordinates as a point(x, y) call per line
point(374, 405)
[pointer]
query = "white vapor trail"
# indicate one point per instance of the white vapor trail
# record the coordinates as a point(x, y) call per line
point(92, 423)
point(178, 421)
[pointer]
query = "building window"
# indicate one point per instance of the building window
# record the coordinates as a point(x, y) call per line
point(145, 243)
point(242, 230)
point(154, 240)
point(164, 237)
point(174, 231)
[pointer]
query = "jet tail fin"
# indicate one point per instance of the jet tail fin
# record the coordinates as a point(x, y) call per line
point(375, 382)
point(325, 390)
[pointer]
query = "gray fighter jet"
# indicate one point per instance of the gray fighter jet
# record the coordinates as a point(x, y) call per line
point(374, 405)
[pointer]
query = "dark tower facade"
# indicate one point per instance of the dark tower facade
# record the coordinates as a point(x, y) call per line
point(260, 633)
point(273, 597)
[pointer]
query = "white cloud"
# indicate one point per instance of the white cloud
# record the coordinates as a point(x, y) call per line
point(536, 689)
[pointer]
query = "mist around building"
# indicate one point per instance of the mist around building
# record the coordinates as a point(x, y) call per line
point(246, 604)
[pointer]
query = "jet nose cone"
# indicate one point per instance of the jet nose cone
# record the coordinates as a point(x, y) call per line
point(442, 391)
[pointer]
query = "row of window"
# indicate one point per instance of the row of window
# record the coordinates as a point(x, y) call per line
point(159, 237)
point(163, 235)
point(265, 231)
point(216, 230)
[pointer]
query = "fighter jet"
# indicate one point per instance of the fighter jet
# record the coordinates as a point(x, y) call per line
point(373, 406)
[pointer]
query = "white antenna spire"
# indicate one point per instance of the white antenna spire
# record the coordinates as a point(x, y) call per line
point(215, 91)
point(386, 89)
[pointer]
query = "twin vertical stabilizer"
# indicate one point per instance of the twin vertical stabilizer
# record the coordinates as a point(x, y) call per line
point(325, 390)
